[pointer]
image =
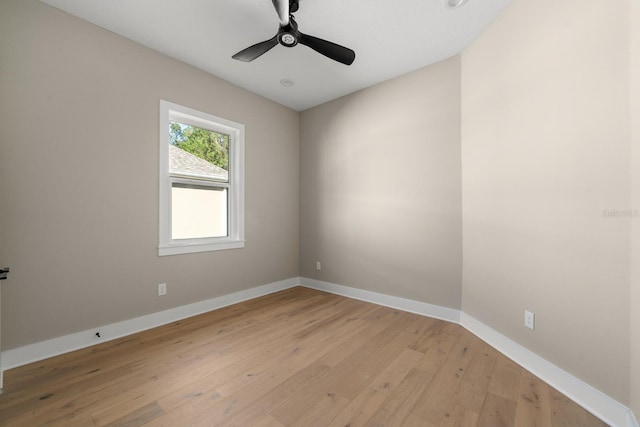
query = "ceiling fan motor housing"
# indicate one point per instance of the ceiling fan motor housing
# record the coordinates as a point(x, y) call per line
point(289, 34)
point(287, 40)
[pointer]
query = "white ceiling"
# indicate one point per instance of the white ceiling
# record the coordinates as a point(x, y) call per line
point(390, 38)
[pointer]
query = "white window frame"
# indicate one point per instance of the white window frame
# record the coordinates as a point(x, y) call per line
point(235, 219)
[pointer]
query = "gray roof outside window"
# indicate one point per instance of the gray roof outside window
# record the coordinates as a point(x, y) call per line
point(186, 164)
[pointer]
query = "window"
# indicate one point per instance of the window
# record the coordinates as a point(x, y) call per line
point(201, 181)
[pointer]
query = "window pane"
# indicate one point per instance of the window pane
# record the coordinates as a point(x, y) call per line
point(198, 211)
point(198, 152)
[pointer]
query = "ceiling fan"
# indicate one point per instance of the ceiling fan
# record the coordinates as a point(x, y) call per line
point(289, 36)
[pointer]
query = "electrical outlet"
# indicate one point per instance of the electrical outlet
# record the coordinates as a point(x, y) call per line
point(162, 289)
point(318, 266)
point(529, 319)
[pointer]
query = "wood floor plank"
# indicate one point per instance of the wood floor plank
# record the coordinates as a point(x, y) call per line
point(267, 421)
point(325, 409)
point(298, 405)
point(497, 412)
point(425, 326)
point(301, 353)
point(296, 357)
point(368, 330)
point(120, 392)
point(459, 416)
point(414, 421)
point(176, 414)
point(476, 378)
point(34, 399)
point(243, 398)
point(396, 371)
point(291, 358)
point(295, 385)
point(436, 351)
point(433, 402)
point(366, 371)
point(505, 378)
point(59, 369)
point(534, 402)
point(358, 412)
point(136, 418)
point(400, 404)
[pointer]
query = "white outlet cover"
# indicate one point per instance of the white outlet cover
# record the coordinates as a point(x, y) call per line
point(529, 319)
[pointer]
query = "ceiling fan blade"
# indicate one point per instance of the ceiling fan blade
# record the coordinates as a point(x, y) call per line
point(282, 8)
point(258, 49)
point(328, 49)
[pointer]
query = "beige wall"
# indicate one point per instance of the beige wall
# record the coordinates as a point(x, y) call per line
point(635, 236)
point(380, 188)
point(545, 150)
point(79, 167)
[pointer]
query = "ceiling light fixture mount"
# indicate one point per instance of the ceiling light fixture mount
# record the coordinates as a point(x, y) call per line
point(456, 3)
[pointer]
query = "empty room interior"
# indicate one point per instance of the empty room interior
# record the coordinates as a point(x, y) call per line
point(454, 244)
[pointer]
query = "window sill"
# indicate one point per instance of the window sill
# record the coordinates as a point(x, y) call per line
point(189, 248)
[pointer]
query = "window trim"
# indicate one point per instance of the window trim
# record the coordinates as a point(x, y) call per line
point(235, 217)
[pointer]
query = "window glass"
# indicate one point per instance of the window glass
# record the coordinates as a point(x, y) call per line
point(198, 152)
point(198, 211)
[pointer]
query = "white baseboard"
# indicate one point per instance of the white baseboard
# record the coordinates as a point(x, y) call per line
point(42, 350)
point(604, 407)
point(422, 308)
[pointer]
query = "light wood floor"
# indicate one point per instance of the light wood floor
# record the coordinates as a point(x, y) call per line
point(295, 358)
